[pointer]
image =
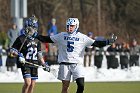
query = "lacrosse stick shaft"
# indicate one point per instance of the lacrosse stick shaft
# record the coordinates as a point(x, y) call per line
point(22, 44)
point(53, 71)
point(36, 65)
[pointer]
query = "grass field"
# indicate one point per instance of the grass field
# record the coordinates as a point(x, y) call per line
point(94, 87)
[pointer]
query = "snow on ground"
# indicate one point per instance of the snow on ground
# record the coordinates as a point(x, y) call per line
point(92, 74)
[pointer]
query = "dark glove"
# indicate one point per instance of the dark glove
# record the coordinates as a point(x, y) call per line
point(112, 39)
point(13, 52)
point(46, 67)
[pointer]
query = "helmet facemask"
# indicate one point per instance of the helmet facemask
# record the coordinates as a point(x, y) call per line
point(30, 30)
point(72, 22)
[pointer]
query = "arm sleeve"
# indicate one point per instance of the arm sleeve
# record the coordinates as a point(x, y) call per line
point(45, 39)
point(17, 44)
point(100, 44)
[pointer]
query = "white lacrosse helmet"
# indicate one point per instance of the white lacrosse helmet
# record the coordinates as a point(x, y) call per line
point(73, 21)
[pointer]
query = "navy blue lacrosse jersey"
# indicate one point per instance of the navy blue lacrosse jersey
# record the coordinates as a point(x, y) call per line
point(29, 49)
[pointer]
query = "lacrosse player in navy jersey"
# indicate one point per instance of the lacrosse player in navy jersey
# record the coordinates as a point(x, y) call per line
point(29, 50)
point(71, 47)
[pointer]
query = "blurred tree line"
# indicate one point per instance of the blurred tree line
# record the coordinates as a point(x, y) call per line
point(102, 17)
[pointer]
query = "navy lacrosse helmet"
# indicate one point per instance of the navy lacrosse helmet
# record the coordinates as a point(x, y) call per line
point(31, 26)
point(31, 22)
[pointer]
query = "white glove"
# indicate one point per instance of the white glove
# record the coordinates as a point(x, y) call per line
point(21, 58)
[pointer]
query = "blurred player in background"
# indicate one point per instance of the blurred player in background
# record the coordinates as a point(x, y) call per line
point(124, 55)
point(134, 53)
point(71, 48)
point(52, 30)
point(12, 35)
point(1, 62)
point(88, 52)
point(112, 60)
point(98, 54)
point(29, 51)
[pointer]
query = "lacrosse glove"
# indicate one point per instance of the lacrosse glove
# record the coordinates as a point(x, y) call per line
point(112, 39)
point(13, 52)
point(46, 67)
point(21, 58)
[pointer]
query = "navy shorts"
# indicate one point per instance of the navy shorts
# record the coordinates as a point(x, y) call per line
point(29, 72)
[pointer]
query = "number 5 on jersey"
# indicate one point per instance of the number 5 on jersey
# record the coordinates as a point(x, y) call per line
point(69, 46)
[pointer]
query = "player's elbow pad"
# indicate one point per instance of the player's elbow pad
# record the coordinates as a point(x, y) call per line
point(40, 55)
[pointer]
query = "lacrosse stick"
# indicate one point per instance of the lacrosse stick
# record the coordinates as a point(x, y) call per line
point(36, 65)
point(23, 43)
point(52, 70)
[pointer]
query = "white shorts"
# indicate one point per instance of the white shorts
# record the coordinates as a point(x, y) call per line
point(66, 71)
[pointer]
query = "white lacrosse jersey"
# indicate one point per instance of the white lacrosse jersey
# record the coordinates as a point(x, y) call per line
point(71, 47)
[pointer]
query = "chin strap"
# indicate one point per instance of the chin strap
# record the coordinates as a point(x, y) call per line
point(74, 32)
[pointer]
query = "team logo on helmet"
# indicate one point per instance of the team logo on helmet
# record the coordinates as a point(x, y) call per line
point(32, 22)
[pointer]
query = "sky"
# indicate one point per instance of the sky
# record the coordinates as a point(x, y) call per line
point(92, 74)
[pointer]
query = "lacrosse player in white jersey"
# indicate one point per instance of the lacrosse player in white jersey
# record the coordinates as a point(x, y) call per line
point(71, 47)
